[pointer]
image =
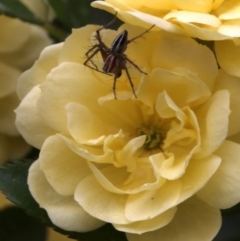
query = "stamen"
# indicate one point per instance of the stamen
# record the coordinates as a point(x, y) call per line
point(154, 136)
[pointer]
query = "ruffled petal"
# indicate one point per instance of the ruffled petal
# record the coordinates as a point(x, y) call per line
point(9, 76)
point(149, 224)
point(194, 220)
point(228, 55)
point(62, 165)
point(10, 28)
point(197, 175)
point(193, 17)
point(56, 91)
point(221, 190)
point(28, 122)
point(232, 84)
point(213, 119)
point(99, 202)
point(138, 18)
point(153, 202)
point(37, 74)
point(92, 127)
point(64, 211)
point(186, 49)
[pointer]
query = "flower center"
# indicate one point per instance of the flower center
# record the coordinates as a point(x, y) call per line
point(154, 137)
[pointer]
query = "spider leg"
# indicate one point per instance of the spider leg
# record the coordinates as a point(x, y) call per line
point(89, 59)
point(130, 81)
point(140, 35)
point(114, 86)
point(98, 37)
point(136, 66)
point(95, 50)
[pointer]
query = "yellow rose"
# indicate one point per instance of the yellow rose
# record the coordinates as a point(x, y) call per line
point(208, 20)
point(20, 45)
point(159, 166)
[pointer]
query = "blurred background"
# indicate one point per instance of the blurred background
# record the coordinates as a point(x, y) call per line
point(15, 225)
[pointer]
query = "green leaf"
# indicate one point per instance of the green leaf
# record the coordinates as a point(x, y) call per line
point(14, 8)
point(73, 13)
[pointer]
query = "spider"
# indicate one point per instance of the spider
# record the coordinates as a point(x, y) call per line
point(114, 58)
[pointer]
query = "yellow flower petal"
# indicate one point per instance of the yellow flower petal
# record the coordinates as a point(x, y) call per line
point(100, 203)
point(54, 165)
point(9, 76)
point(28, 122)
point(193, 17)
point(222, 194)
point(10, 28)
point(193, 215)
point(196, 6)
point(37, 74)
point(232, 84)
point(149, 224)
point(64, 211)
point(153, 202)
point(228, 56)
point(213, 122)
point(164, 56)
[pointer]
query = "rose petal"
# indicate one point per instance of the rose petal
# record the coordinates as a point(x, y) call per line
point(28, 122)
point(228, 56)
point(220, 191)
point(194, 220)
point(228, 10)
point(213, 122)
point(99, 202)
point(230, 28)
point(202, 33)
point(232, 84)
point(196, 6)
point(9, 76)
point(153, 202)
point(137, 18)
point(188, 88)
point(56, 91)
point(186, 50)
point(92, 127)
point(148, 225)
point(37, 74)
point(74, 50)
point(197, 175)
point(64, 211)
point(10, 28)
point(62, 165)
point(27, 54)
point(193, 17)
